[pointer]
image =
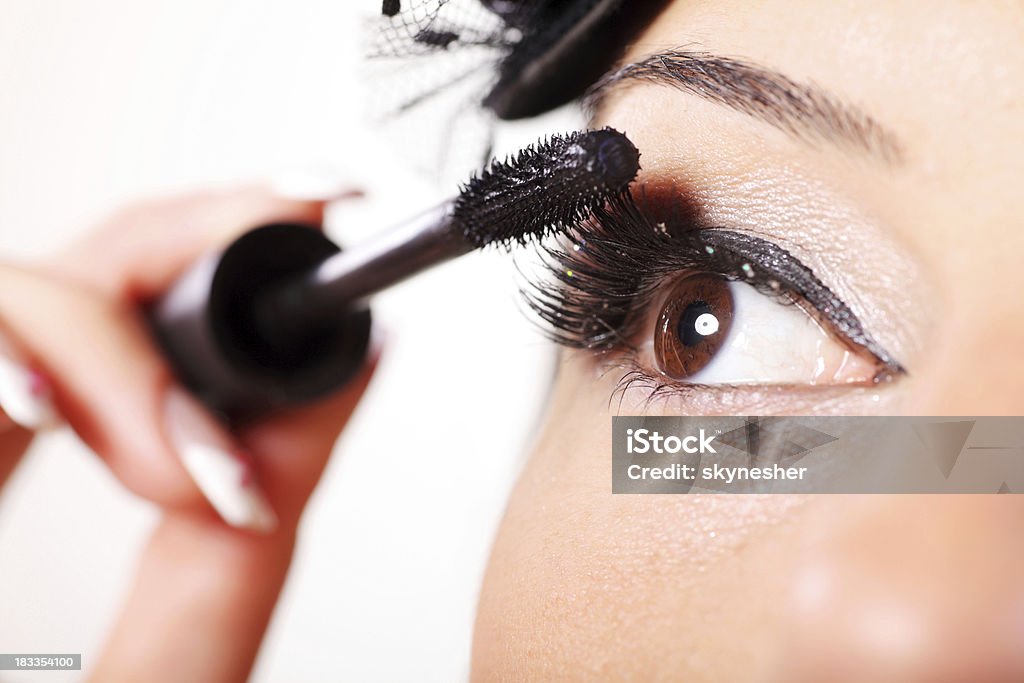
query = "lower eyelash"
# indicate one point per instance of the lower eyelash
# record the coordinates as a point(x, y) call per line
point(650, 389)
point(634, 376)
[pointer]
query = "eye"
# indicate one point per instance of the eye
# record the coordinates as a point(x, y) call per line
point(645, 289)
point(710, 330)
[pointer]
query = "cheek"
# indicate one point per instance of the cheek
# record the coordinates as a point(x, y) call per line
point(583, 581)
point(584, 584)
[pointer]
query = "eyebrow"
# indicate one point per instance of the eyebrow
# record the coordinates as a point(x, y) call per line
point(804, 111)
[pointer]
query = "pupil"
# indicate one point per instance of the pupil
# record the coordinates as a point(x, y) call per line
point(697, 323)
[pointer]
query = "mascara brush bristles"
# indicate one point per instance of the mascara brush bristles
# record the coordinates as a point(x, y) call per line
point(546, 188)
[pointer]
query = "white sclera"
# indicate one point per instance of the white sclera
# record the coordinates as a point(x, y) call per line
point(773, 343)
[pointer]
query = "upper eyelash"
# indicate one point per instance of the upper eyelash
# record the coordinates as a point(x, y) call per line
point(600, 278)
point(617, 261)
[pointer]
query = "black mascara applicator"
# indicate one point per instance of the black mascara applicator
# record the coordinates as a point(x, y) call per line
point(280, 317)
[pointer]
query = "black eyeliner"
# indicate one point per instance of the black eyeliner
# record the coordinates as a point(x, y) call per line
point(746, 254)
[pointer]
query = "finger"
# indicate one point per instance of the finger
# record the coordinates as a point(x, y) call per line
point(107, 380)
point(141, 250)
point(293, 448)
point(199, 606)
point(25, 404)
point(25, 394)
point(13, 444)
point(239, 577)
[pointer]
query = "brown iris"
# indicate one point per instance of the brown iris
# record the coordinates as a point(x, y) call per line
point(693, 324)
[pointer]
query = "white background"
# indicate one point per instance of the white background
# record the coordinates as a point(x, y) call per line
point(109, 100)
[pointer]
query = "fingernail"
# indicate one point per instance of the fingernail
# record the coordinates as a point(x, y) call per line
point(378, 340)
point(318, 183)
point(25, 394)
point(221, 470)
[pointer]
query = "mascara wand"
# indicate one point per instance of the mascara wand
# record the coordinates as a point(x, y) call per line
point(281, 317)
point(543, 189)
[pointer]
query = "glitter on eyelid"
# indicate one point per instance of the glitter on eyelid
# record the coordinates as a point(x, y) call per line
point(710, 250)
point(747, 270)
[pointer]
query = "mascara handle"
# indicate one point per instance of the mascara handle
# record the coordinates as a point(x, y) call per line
point(206, 328)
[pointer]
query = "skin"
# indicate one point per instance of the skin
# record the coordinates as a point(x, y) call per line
point(584, 585)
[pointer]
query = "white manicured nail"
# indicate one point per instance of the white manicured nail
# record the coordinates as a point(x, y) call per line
point(221, 470)
point(25, 394)
point(314, 184)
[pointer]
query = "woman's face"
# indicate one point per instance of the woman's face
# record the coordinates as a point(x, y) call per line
point(882, 145)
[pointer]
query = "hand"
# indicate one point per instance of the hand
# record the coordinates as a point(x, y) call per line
point(205, 590)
